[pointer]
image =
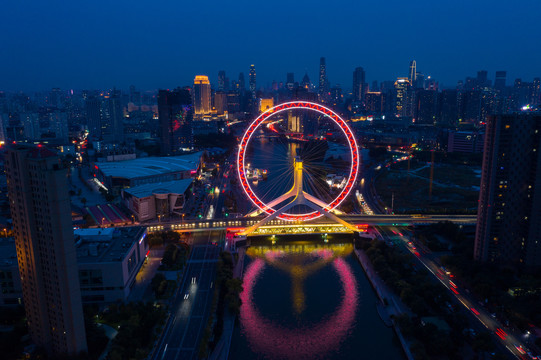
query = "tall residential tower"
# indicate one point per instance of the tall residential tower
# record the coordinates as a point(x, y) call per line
point(509, 213)
point(41, 213)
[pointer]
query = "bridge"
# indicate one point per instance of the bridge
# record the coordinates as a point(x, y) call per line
point(359, 221)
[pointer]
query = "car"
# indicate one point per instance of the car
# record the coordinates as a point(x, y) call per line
point(186, 296)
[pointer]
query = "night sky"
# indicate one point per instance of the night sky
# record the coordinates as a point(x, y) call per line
point(164, 44)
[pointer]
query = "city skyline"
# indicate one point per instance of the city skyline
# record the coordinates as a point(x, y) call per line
point(80, 53)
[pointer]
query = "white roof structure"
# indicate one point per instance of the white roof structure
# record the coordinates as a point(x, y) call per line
point(169, 187)
point(150, 166)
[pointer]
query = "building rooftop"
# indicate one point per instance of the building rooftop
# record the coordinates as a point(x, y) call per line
point(169, 187)
point(106, 245)
point(143, 167)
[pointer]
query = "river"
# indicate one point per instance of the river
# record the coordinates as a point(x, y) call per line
point(309, 300)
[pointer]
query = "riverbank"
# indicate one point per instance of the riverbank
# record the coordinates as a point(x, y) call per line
point(221, 352)
point(390, 303)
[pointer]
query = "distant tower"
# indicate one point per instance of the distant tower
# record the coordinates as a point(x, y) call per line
point(116, 117)
point(201, 95)
point(175, 114)
point(499, 83)
point(401, 86)
point(252, 80)
point(221, 80)
point(358, 84)
point(413, 72)
point(41, 214)
point(306, 81)
point(93, 116)
point(290, 81)
point(322, 91)
point(242, 83)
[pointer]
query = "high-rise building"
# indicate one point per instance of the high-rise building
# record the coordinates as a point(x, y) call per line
point(241, 83)
point(290, 81)
point(306, 82)
point(509, 213)
point(402, 89)
point(448, 108)
point(374, 102)
point(425, 106)
point(116, 117)
point(221, 80)
point(413, 72)
point(359, 86)
point(482, 79)
point(470, 102)
point(499, 83)
point(41, 214)
point(55, 97)
point(220, 102)
point(93, 116)
point(201, 95)
point(336, 95)
point(323, 82)
point(252, 80)
point(175, 114)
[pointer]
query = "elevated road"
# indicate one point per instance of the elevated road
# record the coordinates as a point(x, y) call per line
point(358, 220)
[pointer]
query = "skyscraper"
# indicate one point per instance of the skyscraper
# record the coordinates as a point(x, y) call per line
point(413, 72)
point(359, 86)
point(201, 95)
point(93, 116)
point(509, 213)
point(252, 81)
point(306, 82)
point(221, 80)
point(116, 117)
point(242, 83)
point(499, 83)
point(41, 214)
point(323, 83)
point(482, 79)
point(175, 114)
point(290, 81)
point(402, 87)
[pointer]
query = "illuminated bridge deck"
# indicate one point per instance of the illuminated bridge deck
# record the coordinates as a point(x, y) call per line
point(316, 226)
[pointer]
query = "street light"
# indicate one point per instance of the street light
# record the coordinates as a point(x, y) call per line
point(102, 221)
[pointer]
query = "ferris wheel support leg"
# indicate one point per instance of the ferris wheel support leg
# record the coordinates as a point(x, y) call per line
point(316, 201)
point(274, 202)
point(254, 227)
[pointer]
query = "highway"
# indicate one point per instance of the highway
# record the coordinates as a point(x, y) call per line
point(191, 305)
point(504, 336)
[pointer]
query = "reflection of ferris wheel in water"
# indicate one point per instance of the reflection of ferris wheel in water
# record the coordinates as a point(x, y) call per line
point(317, 206)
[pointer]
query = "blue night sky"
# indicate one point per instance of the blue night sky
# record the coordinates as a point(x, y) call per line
point(164, 44)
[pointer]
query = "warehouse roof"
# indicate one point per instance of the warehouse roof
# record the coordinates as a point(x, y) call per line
point(149, 166)
point(169, 187)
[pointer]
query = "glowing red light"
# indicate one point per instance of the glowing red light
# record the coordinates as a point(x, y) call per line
point(298, 105)
point(475, 311)
point(454, 290)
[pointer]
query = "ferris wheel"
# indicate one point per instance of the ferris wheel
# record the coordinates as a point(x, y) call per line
point(317, 204)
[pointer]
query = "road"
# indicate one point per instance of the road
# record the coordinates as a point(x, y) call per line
point(191, 306)
point(505, 337)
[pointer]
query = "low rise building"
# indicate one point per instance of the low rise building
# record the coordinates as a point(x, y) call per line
point(151, 201)
point(117, 175)
point(108, 261)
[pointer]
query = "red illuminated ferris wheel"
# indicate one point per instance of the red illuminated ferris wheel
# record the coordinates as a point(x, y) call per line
point(322, 208)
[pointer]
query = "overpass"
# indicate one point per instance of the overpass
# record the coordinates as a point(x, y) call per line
point(322, 225)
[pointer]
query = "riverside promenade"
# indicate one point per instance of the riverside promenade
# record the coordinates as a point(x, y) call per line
point(390, 303)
